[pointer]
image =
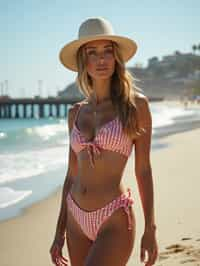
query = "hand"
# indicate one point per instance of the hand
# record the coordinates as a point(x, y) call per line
point(149, 244)
point(56, 254)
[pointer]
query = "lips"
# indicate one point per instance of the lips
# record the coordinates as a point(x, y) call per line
point(102, 69)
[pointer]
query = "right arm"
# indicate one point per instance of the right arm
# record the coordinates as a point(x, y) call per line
point(71, 174)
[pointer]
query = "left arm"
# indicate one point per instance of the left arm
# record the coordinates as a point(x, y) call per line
point(143, 169)
point(145, 181)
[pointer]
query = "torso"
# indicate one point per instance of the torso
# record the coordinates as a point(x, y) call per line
point(102, 182)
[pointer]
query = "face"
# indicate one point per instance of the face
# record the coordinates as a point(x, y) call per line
point(100, 61)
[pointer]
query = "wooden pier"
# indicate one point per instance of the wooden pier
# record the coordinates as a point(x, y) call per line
point(36, 107)
point(33, 108)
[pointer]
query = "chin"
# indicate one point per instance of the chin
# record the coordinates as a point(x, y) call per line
point(103, 75)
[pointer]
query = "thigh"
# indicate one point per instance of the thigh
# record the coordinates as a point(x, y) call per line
point(114, 243)
point(78, 244)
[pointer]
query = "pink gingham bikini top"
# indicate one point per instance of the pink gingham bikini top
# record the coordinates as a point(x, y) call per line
point(109, 137)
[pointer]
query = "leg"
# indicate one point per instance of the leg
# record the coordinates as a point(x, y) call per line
point(78, 244)
point(114, 243)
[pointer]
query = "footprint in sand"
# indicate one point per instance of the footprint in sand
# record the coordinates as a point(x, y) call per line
point(172, 249)
point(185, 253)
point(186, 238)
point(175, 248)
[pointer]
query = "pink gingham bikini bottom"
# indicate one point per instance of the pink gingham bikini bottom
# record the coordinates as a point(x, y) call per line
point(91, 221)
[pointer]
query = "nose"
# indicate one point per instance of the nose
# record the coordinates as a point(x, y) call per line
point(101, 57)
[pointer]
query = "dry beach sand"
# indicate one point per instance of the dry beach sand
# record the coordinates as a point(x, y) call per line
point(25, 240)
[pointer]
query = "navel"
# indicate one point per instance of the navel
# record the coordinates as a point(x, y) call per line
point(83, 190)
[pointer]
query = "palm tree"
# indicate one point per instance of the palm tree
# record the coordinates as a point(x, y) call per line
point(194, 48)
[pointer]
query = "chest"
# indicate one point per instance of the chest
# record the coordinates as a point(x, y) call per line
point(91, 122)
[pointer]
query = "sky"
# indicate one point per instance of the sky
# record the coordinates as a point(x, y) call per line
point(34, 31)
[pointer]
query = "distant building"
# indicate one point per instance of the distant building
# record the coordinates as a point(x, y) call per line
point(153, 61)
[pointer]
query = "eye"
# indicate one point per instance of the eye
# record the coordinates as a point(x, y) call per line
point(91, 53)
point(109, 51)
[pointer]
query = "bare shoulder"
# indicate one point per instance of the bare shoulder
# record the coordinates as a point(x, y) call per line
point(143, 108)
point(141, 100)
point(72, 112)
point(74, 108)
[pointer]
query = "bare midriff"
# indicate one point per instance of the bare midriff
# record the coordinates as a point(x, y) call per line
point(94, 187)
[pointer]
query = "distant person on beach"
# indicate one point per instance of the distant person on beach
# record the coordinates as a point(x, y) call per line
point(185, 103)
point(96, 215)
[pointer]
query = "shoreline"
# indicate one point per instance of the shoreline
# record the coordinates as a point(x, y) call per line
point(174, 223)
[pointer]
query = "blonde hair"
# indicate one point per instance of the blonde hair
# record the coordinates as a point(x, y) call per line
point(123, 90)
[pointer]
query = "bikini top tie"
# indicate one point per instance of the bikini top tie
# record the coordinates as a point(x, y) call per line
point(109, 137)
point(92, 149)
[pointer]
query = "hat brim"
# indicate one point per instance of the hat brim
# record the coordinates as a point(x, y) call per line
point(68, 53)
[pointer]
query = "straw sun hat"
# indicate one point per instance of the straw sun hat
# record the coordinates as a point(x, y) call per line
point(95, 29)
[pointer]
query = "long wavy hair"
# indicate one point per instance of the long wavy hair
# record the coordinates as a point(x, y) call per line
point(123, 90)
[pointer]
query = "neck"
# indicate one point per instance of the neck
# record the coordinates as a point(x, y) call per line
point(101, 90)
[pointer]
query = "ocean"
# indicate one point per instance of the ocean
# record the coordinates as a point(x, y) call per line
point(34, 153)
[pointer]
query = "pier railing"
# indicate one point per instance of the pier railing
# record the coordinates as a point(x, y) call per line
point(38, 108)
point(34, 108)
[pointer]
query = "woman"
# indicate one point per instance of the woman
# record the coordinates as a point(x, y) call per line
point(96, 212)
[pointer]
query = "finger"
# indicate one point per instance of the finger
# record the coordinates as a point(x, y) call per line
point(150, 260)
point(57, 262)
point(142, 254)
point(65, 260)
point(62, 261)
point(154, 256)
